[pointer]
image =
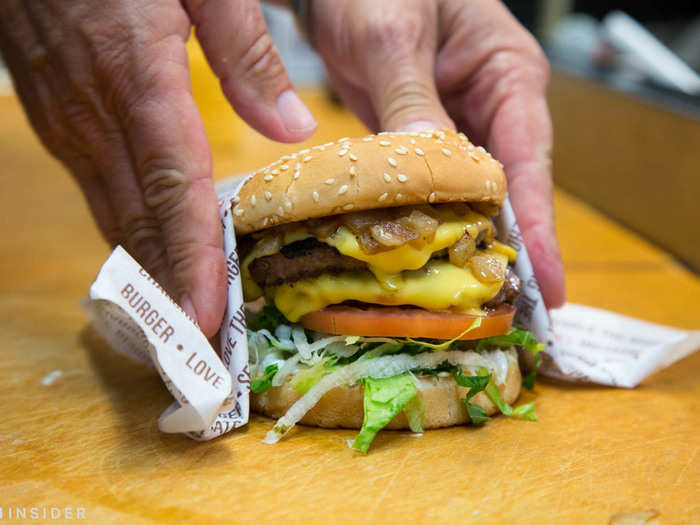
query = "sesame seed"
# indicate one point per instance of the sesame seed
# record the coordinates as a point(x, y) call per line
point(342, 152)
point(238, 211)
point(413, 134)
point(387, 177)
point(296, 174)
point(367, 139)
point(315, 196)
point(495, 186)
point(285, 157)
point(431, 197)
point(268, 196)
point(353, 172)
point(412, 141)
point(253, 200)
point(284, 167)
point(384, 143)
point(352, 157)
point(343, 189)
point(474, 157)
point(268, 177)
point(288, 205)
point(344, 139)
point(383, 133)
point(419, 152)
point(330, 181)
point(319, 148)
point(392, 161)
point(308, 158)
point(401, 150)
point(266, 220)
point(446, 152)
point(280, 211)
point(304, 151)
point(383, 196)
point(399, 196)
point(426, 135)
point(275, 172)
point(487, 184)
point(481, 149)
point(349, 206)
point(236, 199)
point(328, 144)
point(401, 177)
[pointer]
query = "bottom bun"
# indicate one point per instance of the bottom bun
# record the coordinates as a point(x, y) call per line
point(342, 407)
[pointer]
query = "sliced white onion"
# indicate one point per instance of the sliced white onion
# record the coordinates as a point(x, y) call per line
point(287, 368)
point(381, 367)
point(300, 341)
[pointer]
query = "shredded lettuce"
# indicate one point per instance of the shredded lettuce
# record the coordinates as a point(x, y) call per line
point(477, 415)
point(384, 398)
point(524, 411)
point(308, 377)
point(263, 382)
point(516, 337)
point(268, 319)
point(415, 410)
point(529, 380)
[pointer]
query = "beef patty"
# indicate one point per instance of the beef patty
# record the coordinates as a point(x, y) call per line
point(301, 259)
point(310, 258)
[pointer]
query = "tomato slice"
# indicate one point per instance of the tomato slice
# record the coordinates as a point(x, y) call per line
point(406, 322)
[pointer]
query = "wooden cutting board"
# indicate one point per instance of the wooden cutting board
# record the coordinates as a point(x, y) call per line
point(78, 426)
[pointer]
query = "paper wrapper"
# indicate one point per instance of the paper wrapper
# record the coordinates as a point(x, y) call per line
point(134, 315)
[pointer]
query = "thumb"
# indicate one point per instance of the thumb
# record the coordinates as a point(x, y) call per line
point(402, 83)
point(240, 51)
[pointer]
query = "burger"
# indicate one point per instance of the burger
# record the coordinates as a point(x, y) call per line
point(388, 299)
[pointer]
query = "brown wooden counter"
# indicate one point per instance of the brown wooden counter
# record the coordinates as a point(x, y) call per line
point(90, 439)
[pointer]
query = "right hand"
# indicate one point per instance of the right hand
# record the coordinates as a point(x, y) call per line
point(106, 86)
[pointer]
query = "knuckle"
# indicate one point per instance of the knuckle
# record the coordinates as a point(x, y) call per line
point(164, 186)
point(405, 96)
point(261, 61)
point(392, 34)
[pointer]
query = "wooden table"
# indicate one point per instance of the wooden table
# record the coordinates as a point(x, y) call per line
point(89, 440)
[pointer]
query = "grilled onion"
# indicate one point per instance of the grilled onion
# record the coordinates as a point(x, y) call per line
point(485, 268)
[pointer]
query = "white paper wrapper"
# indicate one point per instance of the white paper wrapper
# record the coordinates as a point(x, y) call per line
point(132, 312)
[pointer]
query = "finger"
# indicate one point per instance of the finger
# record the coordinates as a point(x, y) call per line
point(355, 98)
point(399, 55)
point(520, 137)
point(495, 78)
point(171, 156)
point(235, 40)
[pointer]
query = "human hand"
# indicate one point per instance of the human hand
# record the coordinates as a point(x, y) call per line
point(106, 86)
point(415, 64)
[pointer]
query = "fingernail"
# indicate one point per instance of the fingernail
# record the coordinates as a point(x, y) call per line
point(423, 125)
point(296, 117)
point(188, 307)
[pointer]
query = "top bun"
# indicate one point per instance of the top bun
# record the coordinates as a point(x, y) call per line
point(376, 171)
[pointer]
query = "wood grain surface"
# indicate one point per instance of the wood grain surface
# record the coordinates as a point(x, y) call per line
point(90, 439)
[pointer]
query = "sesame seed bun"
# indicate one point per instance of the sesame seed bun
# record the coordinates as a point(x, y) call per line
point(342, 407)
point(376, 171)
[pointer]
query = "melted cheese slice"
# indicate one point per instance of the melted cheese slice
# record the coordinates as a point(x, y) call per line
point(408, 257)
point(439, 285)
